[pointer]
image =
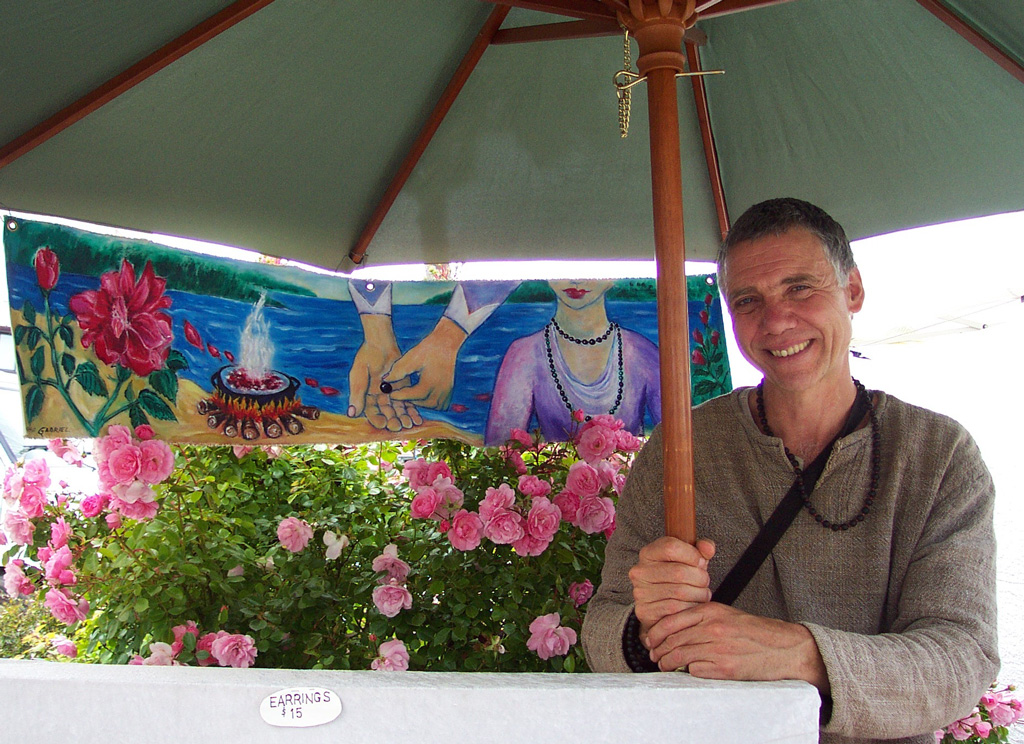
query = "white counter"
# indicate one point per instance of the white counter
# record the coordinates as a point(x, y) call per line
point(81, 704)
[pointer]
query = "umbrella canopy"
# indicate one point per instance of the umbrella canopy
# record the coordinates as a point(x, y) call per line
point(285, 122)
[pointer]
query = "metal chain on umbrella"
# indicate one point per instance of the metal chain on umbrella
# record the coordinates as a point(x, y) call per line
point(622, 90)
point(626, 78)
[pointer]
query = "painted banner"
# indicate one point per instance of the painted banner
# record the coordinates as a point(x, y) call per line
point(214, 350)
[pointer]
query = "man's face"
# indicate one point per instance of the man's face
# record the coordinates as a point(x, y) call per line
point(790, 316)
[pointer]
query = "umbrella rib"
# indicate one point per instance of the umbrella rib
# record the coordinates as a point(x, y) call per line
point(976, 38)
point(451, 92)
point(584, 29)
point(708, 136)
point(573, 8)
point(174, 50)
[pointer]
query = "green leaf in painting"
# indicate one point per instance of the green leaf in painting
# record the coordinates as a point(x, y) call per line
point(37, 361)
point(123, 373)
point(165, 382)
point(156, 407)
point(66, 335)
point(28, 312)
point(67, 362)
point(176, 361)
point(34, 402)
point(19, 333)
point(137, 417)
point(88, 377)
point(34, 337)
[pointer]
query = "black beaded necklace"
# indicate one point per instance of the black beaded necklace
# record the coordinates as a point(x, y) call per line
point(875, 463)
point(554, 372)
point(583, 341)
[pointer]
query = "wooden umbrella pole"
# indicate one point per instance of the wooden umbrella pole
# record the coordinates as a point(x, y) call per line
point(659, 29)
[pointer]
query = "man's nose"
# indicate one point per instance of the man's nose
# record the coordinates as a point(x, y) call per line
point(776, 317)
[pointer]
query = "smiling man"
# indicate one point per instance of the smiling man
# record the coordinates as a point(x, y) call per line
point(847, 536)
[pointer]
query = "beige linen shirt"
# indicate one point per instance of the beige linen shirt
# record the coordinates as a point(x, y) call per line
point(902, 606)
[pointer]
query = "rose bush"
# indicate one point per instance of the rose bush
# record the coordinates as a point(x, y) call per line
point(429, 556)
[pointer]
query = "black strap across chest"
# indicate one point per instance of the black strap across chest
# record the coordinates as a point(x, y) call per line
point(780, 520)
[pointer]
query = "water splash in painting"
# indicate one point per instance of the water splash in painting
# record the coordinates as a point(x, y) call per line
point(257, 351)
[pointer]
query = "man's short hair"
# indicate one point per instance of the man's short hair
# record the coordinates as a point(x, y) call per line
point(776, 216)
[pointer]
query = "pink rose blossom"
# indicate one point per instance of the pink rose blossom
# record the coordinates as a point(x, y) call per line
point(610, 530)
point(568, 504)
point(65, 607)
point(92, 506)
point(37, 472)
point(982, 729)
point(160, 654)
point(241, 450)
point(234, 650)
point(500, 498)
point(60, 531)
point(1000, 713)
point(604, 421)
point(596, 443)
point(18, 527)
point(180, 631)
point(136, 660)
point(543, 520)
point(963, 729)
point(293, 533)
point(135, 501)
point(144, 432)
point(58, 567)
point(238, 570)
point(16, 582)
point(451, 495)
point(579, 416)
point(580, 592)
point(391, 599)
point(33, 500)
point(205, 644)
point(64, 646)
point(518, 435)
point(466, 530)
point(13, 485)
point(65, 451)
point(123, 465)
point(272, 451)
point(626, 442)
point(424, 504)
point(156, 461)
point(583, 480)
point(531, 485)
point(118, 436)
point(618, 483)
point(513, 458)
point(113, 521)
point(504, 526)
point(595, 514)
point(606, 471)
point(422, 473)
point(529, 545)
point(548, 638)
point(392, 656)
point(389, 561)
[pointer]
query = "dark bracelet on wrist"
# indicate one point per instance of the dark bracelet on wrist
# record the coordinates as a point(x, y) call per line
point(637, 657)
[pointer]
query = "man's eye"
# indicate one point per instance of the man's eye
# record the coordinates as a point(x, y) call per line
point(743, 303)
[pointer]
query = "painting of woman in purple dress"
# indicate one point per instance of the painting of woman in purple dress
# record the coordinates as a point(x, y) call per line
point(580, 360)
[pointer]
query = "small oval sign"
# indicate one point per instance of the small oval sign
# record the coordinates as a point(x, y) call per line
point(300, 707)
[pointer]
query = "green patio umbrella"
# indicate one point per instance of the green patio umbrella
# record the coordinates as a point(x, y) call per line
point(279, 126)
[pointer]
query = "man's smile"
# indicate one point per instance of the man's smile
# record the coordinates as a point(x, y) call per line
point(795, 349)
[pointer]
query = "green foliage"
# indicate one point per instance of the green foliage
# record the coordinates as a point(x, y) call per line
point(211, 555)
point(25, 629)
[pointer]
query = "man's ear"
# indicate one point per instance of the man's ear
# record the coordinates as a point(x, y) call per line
point(855, 291)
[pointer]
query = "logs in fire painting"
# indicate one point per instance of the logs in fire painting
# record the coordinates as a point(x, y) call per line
point(205, 349)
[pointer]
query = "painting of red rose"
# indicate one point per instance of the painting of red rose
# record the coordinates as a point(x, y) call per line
point(123, 322)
